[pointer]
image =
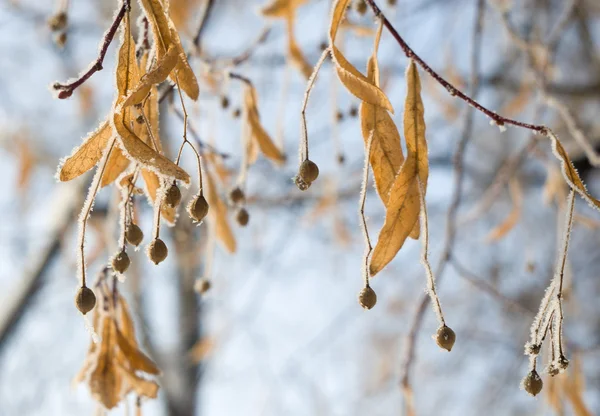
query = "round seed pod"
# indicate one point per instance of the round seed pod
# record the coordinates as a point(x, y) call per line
point(242, 217)
point(236, 113)
point(309, 171)
point(157, 251)
point(353, 110)
point(134, 234)
point(120, 263)
point(224, 102)
point(198, 208)
point(562, 363)
point(341, 159)
point(323, 45)
point(367, 297)
point(303, 186)
point(236, 195)
point(85, 300)
point(392, 2)
point(58, 21)
point(202, 285)
point(532, 383)
point(173, 196)
point(445, 337)
point(361, 7)
point(552, 370)
point(532, 349)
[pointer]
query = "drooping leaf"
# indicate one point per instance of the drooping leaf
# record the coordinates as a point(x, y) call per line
point(218, 213)
point(295, 55)
point(386, 151)
point(281, 8)
point(258, 133)
point(159, 22)
point(414, 130)
point(136, 358)
point(115, 166)
point(183, 72)
point(352, 79)
point(87, 155)
point(105, 382)
point(141, 386)
point(402, 213)
point(512, 219)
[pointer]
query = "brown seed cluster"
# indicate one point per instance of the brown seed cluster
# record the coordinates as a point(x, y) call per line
point(85, 300)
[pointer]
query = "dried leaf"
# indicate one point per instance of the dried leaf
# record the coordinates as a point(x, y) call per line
point(201, 349)
point(295, 54)
point(569, 171)
point(87, 155)
point(127, 69)
point(218, 212)
point(153, 183)
point(183, 74)
point(258, 133)
point(414, 131)
point(26, 162)
point(402, 213)
point(513, 218)
point(157, 75)
point(159, 22)
point(352, 79)
point(116, 164)
point(281, 8)
point(135, 358)
point(386, 151)
point(105, 382)
point(141, 386)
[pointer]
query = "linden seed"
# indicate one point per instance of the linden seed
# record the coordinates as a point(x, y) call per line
point(323, 46)
point(85, 300)
point(198, 208)
point(562, 363)
point(58, 21)
point(303, 186)
point(172, 196)
point(242, 217)
point(367, 298)
point(236, 113)
point(224, 102)
point(532, 383)
point(341, 159)
point(353, 110)
point(552, 370)
point(309, 171)
point(236, 195)
point(361, 7)
point(134, 234)
point(202, 285)
point(120, 262)
point(532, 349)
point(445, 337)
point(392, 2)
point(157, 251)
point(140, 119)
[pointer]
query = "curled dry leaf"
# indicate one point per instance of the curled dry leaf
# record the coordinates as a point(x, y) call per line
point(281, 8)
point(87, 155)
point(105, 382)
point(257, 132)
point(386, 151)
point(136, 359)
point(353, 80)
point(569, 171)
point(218, 213)
point(158, 74)
point(402, 213)
point(183, 75)
point(159, 22)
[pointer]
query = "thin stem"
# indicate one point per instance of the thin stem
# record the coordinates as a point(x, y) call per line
point(67, 89)
point(435, 300)
point(303, 151)
point(361, 210)
point(87, 207)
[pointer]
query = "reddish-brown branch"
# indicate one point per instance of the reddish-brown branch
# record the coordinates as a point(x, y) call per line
point(452, 90)
point(66, 90)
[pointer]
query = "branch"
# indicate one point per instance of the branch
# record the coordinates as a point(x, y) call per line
point(66, 90)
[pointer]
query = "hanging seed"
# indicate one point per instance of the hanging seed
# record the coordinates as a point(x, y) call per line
point(361, 7)
point(303, 186)
point(341, 159)
point(173, 196)
point(445, 337)
point(242, 217)
point(202, 285)
point(120, 262)
point(134, 234)
point(236, 113)
point(392, 2)
point(224, 102)
point(532, 349)
point(309, 171)
point(58, 21)
point(532, 383)
point(367, 297)
point(552, 370)
point(562, 363)
point(85, 300)
point(339, 116)
point(157, 251)
point(353, 111)
point(198, 208)
point(236, 195)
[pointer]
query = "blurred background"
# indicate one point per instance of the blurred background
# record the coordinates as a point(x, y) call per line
point(281, 332)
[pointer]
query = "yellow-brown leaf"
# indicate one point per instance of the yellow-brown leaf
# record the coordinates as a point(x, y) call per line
point(87, 155)
point(352, 79)
point(183, 73)
point(116, 164)
point(258, 133)
point(402, 213)
point(159, 23)
point(512, 219)
point(141, 386)
point(281, 8)
point(136, 359)
point(105, 382)
point(218, 212)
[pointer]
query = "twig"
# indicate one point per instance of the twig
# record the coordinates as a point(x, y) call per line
point(66, 90)
point(361, 210)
